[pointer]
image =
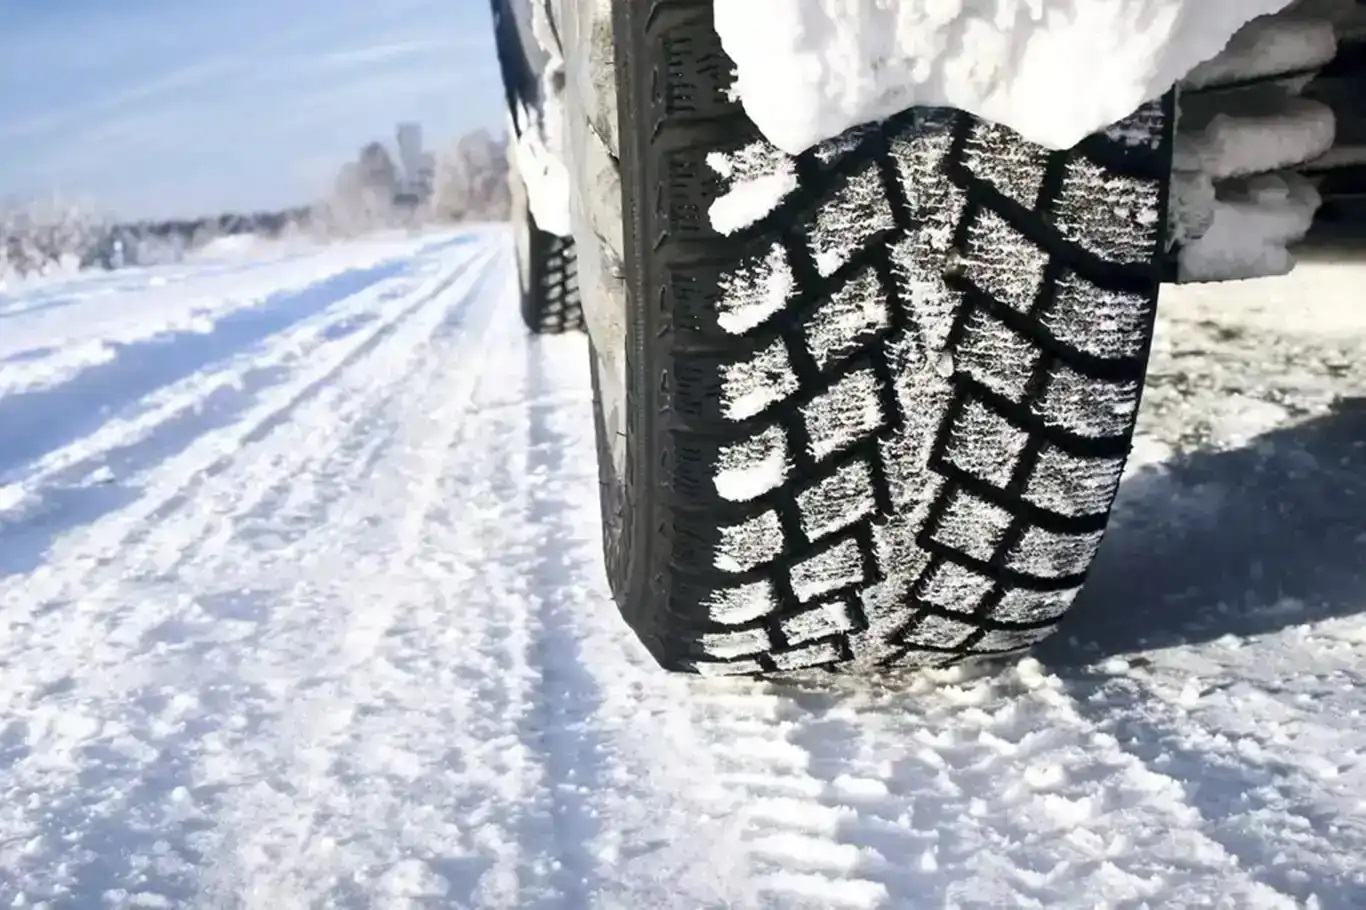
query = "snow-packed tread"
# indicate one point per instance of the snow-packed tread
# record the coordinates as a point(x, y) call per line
point(550, 294)
point(547, 264)
point(902, 398)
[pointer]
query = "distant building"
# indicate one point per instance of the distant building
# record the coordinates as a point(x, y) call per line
point(417, 175)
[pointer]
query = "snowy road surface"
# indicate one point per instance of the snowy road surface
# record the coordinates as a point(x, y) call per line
point(301, 606)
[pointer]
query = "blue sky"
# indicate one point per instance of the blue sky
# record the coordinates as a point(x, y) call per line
point(186, 107)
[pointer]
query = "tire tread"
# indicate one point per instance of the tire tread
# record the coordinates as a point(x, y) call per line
point(895, 534)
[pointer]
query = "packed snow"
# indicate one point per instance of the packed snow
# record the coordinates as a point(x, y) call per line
point(807, 70)
point(1237, 203)
point(301, 605)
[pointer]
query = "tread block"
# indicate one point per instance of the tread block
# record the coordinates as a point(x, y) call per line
point(1024, 607)
point(813, 655)
point(849, 411)
point(1047, 554)
point(950, 586)
point(932, 631)
point(1000, 641)
point(749, 544)
point(985, 444)
point(997, 155)
point(820, 622)
point(896, 542)
point(920, 267)
point(855, 315)
point(1112, 216)
point(1096, 408)
point(755, 292)
point(996, 356)
point(1001, 263)
point(972, 526)
point(906, 454)
point(751, 386)
point(739, 643)
point(840, 566)
point(1097, 321)
point(838, 501)
point(752, 467)
point(921, 147)
point(853, 215)
point(742, 604)
point(1071, 485)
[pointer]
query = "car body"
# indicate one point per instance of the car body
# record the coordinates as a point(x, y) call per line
point(869, 288)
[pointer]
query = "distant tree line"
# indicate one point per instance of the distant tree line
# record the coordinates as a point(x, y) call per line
point(466, 181)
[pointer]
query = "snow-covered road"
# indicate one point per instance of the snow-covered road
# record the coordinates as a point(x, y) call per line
point(301, 606)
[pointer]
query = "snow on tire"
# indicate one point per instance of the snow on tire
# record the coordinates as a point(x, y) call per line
point(547, 269)
point(882, 420)
point(550, 288)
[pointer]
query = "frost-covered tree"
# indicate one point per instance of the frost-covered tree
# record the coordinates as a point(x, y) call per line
point(471, 180)
point(44, 235)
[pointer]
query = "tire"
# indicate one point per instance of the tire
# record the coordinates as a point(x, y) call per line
point(547, 269)
point(884, 424)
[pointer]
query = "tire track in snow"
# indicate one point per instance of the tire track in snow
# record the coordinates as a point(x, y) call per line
point(559, 725)
point(69, 292)
point(120, 630)
point(795, 836)
point(337, 728)
point(1268, 778)
point(511, 691)
point(457, 513)
point(623, 770)
point(957, 787)
point(173, 532)
point(46, 416)
point(979, 786)
point(125, 437)
point(71, 560)
point(354, 421)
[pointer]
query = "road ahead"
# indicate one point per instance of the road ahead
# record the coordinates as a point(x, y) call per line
point(301, 606)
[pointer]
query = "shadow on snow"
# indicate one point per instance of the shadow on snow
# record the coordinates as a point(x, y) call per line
point(1241, 542)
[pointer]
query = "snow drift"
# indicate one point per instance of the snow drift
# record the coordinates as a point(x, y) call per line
point(1053, 70)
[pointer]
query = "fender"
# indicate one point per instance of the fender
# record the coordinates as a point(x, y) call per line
point(533, 82)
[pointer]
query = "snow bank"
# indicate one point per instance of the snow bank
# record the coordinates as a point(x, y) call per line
point(1252, 227)
point(1054, 70)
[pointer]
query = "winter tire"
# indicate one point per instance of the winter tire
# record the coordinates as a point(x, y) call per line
point(883, 423)
point(547, 275)
point(549, 282)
